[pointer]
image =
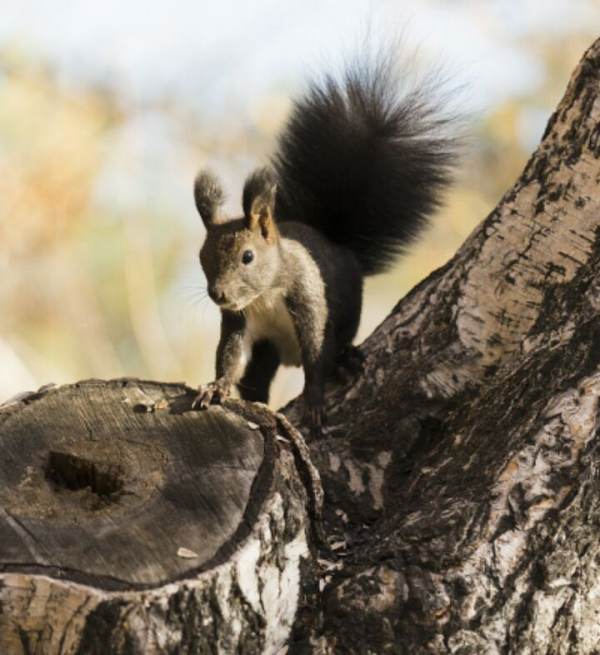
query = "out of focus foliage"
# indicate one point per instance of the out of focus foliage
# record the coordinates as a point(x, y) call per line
point(99, 239)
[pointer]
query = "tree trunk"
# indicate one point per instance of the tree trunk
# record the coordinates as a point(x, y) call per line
point(460, 468)
point(461, 509)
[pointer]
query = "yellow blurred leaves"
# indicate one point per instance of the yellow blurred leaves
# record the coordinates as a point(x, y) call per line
point(50, 150)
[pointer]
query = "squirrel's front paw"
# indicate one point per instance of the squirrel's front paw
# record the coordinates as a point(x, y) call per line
point(213, 393)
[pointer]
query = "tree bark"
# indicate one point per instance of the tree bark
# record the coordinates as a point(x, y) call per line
point(461, 510)
point(460, 469)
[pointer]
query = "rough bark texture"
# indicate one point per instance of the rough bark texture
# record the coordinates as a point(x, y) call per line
point(461, 510)
point(460, 469)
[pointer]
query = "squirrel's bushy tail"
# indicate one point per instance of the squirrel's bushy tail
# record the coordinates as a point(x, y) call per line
point(363, 162)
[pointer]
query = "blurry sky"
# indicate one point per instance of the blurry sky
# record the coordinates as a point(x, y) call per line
point(107, 109)
point(224, 56)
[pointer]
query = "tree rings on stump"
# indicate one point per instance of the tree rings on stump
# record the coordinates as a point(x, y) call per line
point(126, 517)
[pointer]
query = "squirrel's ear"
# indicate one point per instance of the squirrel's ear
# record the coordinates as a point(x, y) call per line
point(209, 197)
point(258, 201)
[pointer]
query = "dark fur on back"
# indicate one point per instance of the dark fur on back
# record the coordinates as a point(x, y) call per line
point(363, 163)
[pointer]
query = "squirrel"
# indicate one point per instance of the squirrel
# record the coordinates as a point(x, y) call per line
point(358, 169)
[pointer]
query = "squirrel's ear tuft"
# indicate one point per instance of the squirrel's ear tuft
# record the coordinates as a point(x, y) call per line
point(209, 197)
point(258, 201)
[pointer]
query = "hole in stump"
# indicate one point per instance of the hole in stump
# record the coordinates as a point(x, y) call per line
point(75, 473)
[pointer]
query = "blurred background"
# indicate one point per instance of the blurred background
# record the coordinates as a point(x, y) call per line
point(107, 110)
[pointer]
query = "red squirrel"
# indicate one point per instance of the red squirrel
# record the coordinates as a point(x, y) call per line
point(357, 171)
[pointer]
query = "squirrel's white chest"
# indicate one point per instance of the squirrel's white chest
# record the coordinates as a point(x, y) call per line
point(269, 318)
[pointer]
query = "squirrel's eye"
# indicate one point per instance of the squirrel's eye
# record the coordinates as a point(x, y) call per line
point(247, 257)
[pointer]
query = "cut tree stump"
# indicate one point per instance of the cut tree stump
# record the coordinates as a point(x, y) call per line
point(133, 524)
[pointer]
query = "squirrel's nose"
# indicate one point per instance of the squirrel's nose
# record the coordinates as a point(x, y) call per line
point(217, 295)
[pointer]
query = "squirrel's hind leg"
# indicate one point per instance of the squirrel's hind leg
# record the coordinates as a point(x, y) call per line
point(350, 362)
point(260, 372)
